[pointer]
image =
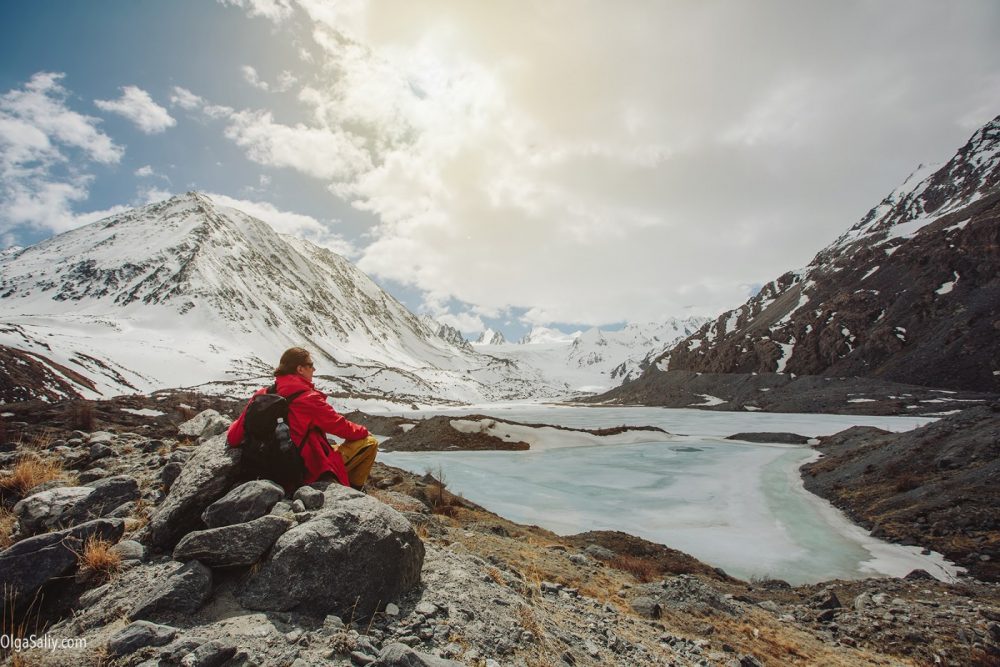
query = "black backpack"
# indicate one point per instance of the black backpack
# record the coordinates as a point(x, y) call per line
point(268, 449)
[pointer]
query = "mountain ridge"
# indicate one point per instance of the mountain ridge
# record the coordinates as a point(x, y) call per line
point(908, 294)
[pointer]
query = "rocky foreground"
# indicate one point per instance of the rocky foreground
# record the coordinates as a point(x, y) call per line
point(202, 567)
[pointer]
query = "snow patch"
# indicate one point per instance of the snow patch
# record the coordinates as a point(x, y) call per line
point(144, 412)
point(948, 286)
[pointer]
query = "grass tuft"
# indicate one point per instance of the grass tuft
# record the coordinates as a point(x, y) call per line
point(97, 557)
point(29, 472)
point(642, 569)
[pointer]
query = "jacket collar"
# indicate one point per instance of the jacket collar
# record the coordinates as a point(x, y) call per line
point(289, 384)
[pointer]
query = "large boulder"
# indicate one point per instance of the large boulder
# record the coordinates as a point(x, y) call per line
point(204, 425)
point(42, 511)
point(354, 556)
point(238, 544)
point(208, 474)
point(244, 503)
point(69, 505)
point(182, 592)
point(29, 564)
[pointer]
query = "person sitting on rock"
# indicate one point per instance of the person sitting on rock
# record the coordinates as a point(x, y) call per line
point(310, 418)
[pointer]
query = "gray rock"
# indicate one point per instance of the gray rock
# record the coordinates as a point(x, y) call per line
point(426, 609)
point(236, 544)
point(123, 511)
point(647, 606)
point(100, 451)
point(100, 438)
point(353, 537)
point(69, 505)
point(92, 475)
point(206, 476)
point(204, 425)
point(184, 591)
point(43, 511)
point(129, 550)
point(401, 655)
point(109, 494)
point(210, 654)
point(282, 507)
point(170, 472)
point(311, 499)
point(180, 647)
point(137, 635)
point(29, 564)
point(244, 503)
point(827, 600)
point(298, 506)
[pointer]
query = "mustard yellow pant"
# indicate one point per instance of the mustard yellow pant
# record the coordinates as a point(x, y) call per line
point(359, 456)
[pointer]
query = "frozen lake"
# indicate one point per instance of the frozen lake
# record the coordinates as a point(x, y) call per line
point(738, 506)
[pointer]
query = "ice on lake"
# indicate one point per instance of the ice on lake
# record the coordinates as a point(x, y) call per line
point(738, 506)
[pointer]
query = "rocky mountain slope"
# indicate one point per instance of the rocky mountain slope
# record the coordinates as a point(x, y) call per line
point(490, 592)
point(186, 292)
point(935, 486)
point(909, 294)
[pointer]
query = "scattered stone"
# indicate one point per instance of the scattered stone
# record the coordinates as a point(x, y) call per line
point(92, 474)
point(231, 545)
point(401, 655)
point(129, 550)
point(184, 591)
point(100, 451)
point(210, 654)
point(246, 502)
point(137, 635)
point(647, 607)
point(391, 610)
point(99, 438)
point(917, 575)
point(311, 499)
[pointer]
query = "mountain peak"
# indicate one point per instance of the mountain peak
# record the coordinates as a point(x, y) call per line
point(907, 294)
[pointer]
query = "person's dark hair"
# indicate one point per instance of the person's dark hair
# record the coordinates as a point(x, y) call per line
point(290, 361)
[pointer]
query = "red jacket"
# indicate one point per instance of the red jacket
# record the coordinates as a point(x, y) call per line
point(309, 412)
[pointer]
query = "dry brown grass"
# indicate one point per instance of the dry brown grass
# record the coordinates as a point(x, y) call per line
point(7, 522)
point(29, 472)
point(97, 557)
point(643, 569)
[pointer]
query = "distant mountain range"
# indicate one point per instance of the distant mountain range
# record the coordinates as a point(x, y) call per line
point(188, 293)
point(911, 293)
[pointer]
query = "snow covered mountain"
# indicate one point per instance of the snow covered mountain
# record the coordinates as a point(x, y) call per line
point(593, 360)
point(490, 337)
point(910, 293)
point(187, 293)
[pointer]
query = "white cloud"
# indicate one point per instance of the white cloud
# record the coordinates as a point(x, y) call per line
point(288, 222)
point(136, 105)
point(45, 149)
point(274, 10)
point(185, 99)
point(144, 171)
point(644, 160)
point(151, 194)
point(251, 77)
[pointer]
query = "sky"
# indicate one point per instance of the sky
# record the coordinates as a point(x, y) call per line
point(498, 164)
